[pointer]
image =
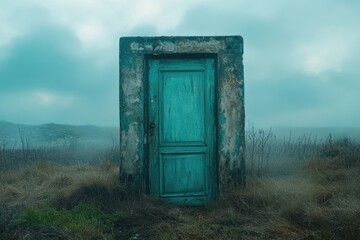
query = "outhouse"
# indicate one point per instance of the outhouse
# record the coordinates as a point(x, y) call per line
point(182, 116)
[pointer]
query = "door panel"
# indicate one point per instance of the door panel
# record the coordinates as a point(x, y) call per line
point(182, 105)
point(183, 174)
point(181, 130)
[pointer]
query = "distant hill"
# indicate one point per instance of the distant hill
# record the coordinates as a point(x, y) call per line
point(56, 135)
point(48, 135)
point(319, 133)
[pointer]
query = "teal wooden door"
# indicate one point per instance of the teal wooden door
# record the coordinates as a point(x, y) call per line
point(181, 130)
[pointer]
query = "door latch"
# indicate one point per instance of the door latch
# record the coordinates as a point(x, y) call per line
point(152, 132)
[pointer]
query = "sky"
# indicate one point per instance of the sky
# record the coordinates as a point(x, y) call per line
point(59, 58)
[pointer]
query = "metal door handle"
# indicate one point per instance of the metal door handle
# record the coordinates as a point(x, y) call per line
point(152, 132)
point(152, 128)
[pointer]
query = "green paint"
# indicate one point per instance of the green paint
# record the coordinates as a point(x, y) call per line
point(181, 130)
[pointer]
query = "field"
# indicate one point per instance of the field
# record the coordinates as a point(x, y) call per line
point(296, 189)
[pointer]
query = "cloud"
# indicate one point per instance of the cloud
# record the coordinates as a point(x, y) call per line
point(301, 100)
point(59, 60)
point(45, 77)
point(299, 58)
point(327, 52)
point(45, 58)
point(113, 18)
point(52, 99)
point(143, 30)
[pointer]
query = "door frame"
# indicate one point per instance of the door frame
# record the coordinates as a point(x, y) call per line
point(149, 57)
point(228, 51)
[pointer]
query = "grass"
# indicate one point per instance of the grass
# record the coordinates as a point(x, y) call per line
point(47, 183)
point(73, 201)
point(320, 199)
point(83, 220)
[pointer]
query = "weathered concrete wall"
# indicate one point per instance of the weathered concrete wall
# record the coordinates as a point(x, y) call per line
point(228, 51)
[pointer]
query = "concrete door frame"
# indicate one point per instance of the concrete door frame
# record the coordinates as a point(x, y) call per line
point(231, 115)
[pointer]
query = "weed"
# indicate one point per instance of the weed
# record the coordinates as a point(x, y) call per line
point(83, 220)
point(346, 151)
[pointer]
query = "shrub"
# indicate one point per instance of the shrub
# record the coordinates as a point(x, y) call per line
point(345, 150)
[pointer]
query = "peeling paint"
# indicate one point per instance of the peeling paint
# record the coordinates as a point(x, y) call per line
point(136, 47)
point(129, 147)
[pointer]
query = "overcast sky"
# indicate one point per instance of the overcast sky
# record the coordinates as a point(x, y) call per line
point(59, 59)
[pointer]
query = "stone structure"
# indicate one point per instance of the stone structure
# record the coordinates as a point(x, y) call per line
point(226, 51)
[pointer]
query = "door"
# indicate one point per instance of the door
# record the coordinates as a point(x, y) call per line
point(181, 130)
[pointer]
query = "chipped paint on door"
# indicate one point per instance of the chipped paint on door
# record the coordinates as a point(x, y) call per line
point(181, 130)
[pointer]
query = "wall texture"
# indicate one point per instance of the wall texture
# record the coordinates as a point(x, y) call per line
point(227, 51)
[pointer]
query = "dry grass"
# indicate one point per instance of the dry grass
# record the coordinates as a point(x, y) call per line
point(45, 182)
point(37, 196)
point(319, 200)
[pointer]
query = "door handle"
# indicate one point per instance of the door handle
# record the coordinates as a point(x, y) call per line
point(152, 132)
